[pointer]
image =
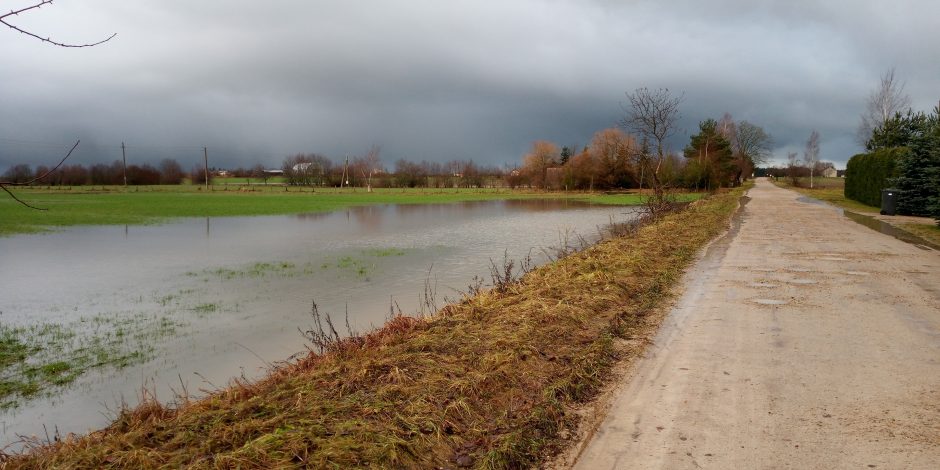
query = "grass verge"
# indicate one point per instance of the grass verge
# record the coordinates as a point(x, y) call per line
point(486, 383)
point(147, 205)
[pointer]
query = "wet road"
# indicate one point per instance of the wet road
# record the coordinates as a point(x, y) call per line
point(803, 340)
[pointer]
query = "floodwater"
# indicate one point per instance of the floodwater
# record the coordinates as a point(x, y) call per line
point(191, 304)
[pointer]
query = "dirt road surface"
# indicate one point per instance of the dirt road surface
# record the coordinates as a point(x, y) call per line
point(802, 340)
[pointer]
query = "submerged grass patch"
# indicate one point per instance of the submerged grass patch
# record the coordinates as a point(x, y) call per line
point(486, 383)
point(37, 359)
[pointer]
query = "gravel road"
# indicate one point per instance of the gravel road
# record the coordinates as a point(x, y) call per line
point(802, 340)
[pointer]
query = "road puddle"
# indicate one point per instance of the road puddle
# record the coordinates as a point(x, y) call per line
point(889, 229)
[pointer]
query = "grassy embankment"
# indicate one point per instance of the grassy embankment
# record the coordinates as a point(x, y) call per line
point(832, 190)
point(487, 383)
point(153, 204)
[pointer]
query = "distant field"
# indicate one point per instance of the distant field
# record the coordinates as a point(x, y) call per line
point(112, 205)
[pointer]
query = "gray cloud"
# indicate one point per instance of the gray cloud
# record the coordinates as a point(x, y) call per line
point(442, 80)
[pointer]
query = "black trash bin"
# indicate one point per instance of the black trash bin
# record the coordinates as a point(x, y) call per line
point(889, 201)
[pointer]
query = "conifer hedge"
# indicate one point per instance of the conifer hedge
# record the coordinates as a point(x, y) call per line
point(867, 174)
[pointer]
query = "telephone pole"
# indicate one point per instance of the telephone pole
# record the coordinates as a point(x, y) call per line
point(124, 158)
point(205, 155)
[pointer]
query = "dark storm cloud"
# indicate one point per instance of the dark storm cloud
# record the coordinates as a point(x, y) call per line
point(442, 80)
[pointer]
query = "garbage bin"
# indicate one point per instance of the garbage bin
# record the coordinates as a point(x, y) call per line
point(889, 201)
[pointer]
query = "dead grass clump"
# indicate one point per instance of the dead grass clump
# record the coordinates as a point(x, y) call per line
point(488, 382)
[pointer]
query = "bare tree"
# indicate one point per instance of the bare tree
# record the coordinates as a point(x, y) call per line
point(883, 103)
point(544, 155)
point(372, 164)
point(793, 163)
point(811, 154)
point(6, 17)
point(653, 114)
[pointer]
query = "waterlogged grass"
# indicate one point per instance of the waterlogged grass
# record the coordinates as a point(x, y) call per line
point(486, 383)
point(384, 252)
point(38, 359)
point(363, 262)
point(207, 308)
point(255, 270)
point(148, 205)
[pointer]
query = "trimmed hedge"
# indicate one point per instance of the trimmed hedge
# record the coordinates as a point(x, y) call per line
point(867, 174)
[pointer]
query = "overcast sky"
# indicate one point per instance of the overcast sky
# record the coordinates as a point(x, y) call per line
point(441, 80)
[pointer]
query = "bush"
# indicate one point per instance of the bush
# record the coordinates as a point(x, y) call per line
point(868, 173)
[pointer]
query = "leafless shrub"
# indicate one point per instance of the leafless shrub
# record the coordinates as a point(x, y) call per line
point(323, 335)
point(428, 301)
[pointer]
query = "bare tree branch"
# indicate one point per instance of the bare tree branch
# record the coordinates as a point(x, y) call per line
point(653, 114)
point(4, 187)
point(4, 184)
point(4, 20)
point(883, 103)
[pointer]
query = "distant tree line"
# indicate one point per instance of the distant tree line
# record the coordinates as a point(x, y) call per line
point(314, 169)
point(633, 154)
point(722, 154)
point(168, 171)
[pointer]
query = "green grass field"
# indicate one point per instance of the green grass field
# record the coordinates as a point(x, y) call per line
point(155, 204)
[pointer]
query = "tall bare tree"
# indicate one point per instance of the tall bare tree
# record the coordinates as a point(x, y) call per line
point(793, 165)
point(372, 163)
point(883, 103)
point(653, 114)
point(811, 154)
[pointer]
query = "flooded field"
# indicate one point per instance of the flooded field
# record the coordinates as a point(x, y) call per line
point(90, 316)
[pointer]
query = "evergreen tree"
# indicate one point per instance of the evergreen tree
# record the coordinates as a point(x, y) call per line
point(899, 131)
point(919, 179)
point(565, 155)
point(712, 155)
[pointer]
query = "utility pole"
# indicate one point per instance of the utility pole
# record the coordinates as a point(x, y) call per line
point(345, 180)
point(124, 158)
point(205, 154)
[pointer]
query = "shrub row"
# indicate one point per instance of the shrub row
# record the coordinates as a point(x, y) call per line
point(868, 173)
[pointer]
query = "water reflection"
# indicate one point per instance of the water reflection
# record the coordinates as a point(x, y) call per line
point(207, 300)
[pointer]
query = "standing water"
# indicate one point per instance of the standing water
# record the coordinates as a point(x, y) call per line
point(91, 316)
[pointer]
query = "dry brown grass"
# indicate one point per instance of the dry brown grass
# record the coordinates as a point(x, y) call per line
point(486, 383)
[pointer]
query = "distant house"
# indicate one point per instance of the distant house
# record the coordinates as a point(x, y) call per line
point(830, 172)
point(274, 172)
